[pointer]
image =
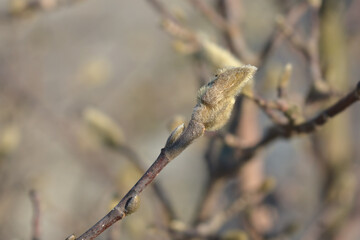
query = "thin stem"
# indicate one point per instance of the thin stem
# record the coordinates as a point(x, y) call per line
point(192, 132)
point(286, 131)
point(158, 189)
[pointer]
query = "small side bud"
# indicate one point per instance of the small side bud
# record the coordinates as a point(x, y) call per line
point(132, 205)
point(175, 121)
point(71, 237)
point(175, 135)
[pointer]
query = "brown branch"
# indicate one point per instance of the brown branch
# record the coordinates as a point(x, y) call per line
point(159, 191)
point(286, 131)
point(192, 132)
point(35, 201)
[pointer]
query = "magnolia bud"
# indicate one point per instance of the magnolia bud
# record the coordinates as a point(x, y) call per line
point(216, 99)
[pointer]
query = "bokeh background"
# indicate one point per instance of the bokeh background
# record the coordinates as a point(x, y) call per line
point(112, 55)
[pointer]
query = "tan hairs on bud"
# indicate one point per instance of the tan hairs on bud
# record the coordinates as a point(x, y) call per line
point(175, 135)
point(216, 99)
point(104, 126)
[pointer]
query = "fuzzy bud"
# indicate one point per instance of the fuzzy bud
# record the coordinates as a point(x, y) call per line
point(216, 99)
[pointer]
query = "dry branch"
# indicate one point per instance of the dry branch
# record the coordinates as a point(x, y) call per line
point(286, 131)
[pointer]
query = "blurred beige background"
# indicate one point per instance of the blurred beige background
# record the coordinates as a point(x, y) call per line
point(112, 55)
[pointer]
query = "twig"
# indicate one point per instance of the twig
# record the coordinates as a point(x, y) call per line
point(214, 224)
point(234, 35)
point(158, 6)
point(171, 25)
point(213, 16)
point(292, 17)
point(34, 197)
point(287, 131)
point(215, 103)
point(193, 131)
point(159, 191)
point(294, 37)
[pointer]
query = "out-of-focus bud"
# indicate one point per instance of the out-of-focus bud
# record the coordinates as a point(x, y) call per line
point(104, 126)
point(234, 235)
point(17, 6)
point(177, 225)
point(95, 71)
point(216, 99)
point(285, 76)
point(217, 55)
point(9, 140)
point(48, 4)
point(184, 47)
point(268, 185)
point(315, 3)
